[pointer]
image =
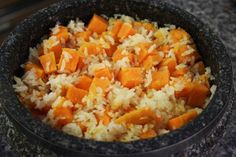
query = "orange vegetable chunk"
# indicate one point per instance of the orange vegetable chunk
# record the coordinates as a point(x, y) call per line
point(90, 48)
point(63, 115)
point(111, 50)
point(83, 82)
point(106, 118)
point(160, 78)
point(180, 72)
point(185, 58)
point(131, 77)
point(84, 35)
point(198, 95)
point(37, 69)
point(116, 28)
point(97, 84)
point(69, 60)
point(124, 31)
point(105, 72)
point(152, 60)
point(148, 134)
point(170, 63)
point(178, 35)
point(97, 24)
point(164, 48)
point(143, 53)
point(75, 95)
point(118, 55)
point(181, 120)
point(188, 86)
point(48, 62)
point(62, 34)
point(139, 116)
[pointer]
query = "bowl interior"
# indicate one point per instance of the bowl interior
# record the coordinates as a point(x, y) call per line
point(14, 51)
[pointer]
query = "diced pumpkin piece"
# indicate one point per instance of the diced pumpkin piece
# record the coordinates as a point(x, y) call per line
point(75, 95)
point(160, 78)
point(188, 86)
point(148, 26)
point(90, 49)
point(182, 120)
point(178, 35)
point(116, 28)
point(57, 51)
point(118, 55)
point(80, 64)
point(139, 116)
point(161, 35)
point(97, 24)
point(37, 69)
point(106, 118)
point(131, 77)
point(63, 115)
point(52, 44)
point(199, 68)
point(83, 82)
point(48, 62)
point(151, 60)
point(164, 48)
point(68, 61)
point(170, 63)
point(62, 34)
point(148, 134)
point(105, 72)
point(143, 53)
point(84, 35)
point(185, 55)
point(99, 85)
point(180, 71)
point(111, 50)
point(198, 95)
point(124, 31)
point(132, 32)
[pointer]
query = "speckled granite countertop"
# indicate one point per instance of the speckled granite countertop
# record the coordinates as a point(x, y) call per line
point(220, 15)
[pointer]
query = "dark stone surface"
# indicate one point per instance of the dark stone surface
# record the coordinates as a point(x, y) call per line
point(19, 143)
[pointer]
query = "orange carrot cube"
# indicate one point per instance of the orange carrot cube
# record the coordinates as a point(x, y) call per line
point(170, 63)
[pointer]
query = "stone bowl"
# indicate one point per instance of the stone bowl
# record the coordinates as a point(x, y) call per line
point(14, 51)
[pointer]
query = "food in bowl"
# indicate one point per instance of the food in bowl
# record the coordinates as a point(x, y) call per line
point(118, 79)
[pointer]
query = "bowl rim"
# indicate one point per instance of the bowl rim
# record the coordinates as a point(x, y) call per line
point(85, 145)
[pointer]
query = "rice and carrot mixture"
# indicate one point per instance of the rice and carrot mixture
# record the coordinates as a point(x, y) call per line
point(118, 79)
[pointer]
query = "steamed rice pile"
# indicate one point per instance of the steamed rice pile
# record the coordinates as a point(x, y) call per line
point(116, 80)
